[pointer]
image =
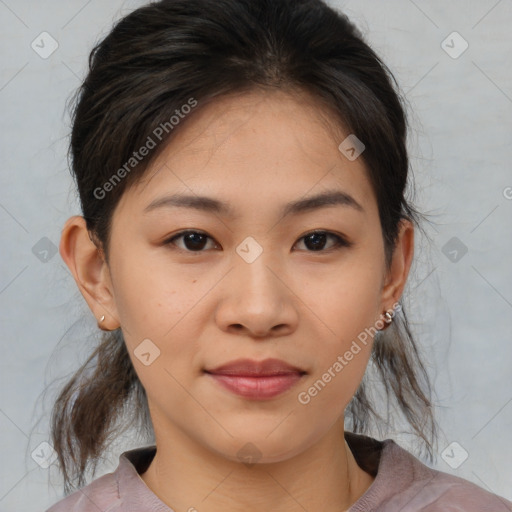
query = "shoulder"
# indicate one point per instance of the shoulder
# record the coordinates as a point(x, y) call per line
point(445, 492)
point(402, 482)
point(100, 494)
point(430, 490)
point(117, 491)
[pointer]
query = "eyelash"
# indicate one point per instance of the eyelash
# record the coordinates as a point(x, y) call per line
point(341, 242)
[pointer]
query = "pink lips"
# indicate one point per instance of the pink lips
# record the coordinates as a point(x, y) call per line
point(257, 379)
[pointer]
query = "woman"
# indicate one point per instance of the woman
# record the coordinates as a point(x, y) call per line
point(245, 241)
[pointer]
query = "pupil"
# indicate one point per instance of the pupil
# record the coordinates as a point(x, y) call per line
point(195, 239)
point(314, 238)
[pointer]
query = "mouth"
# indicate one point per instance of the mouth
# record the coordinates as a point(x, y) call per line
point(258, 380)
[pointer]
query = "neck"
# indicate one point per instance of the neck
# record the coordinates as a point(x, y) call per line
point(189, 477)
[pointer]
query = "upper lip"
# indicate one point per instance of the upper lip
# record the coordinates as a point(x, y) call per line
point(250, 367)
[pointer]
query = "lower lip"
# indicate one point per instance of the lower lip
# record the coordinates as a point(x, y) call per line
point(258, 388)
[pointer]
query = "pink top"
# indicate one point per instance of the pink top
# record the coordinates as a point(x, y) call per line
point(403, 483)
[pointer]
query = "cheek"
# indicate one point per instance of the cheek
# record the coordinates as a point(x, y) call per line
point(159, 303)
point(344, 298)
point(331, 389)
point(345, 308)
point(151, 295)
point(343, 351)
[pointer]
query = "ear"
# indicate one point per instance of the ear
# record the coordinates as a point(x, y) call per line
point(396, 277)
point(90, 270)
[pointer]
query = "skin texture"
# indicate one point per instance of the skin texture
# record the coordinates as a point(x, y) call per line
point(257, 151)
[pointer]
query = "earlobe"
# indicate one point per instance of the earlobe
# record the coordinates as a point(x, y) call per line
point(400, 265)
point(86, 262)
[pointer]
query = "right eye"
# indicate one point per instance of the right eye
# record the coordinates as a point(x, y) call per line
point(193, 241)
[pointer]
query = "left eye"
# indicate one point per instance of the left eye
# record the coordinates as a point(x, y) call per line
point(195, 241)
point(317, 239)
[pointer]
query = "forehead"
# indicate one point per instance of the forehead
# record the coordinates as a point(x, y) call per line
point(253, 148)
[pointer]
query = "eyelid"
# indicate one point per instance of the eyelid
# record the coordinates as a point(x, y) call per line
point(170, 240)
point(341, 241)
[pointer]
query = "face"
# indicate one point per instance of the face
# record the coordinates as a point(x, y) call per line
point(245, 281)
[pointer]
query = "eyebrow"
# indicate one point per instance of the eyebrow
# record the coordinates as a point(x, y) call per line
point(211, 205)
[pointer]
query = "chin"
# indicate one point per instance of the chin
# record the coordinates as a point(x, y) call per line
point(259, 448)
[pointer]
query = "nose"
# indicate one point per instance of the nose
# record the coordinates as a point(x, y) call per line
point(257, 300)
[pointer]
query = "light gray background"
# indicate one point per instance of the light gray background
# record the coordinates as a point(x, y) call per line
point(461, 153)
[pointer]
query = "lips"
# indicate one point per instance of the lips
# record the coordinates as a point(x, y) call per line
point(256, 380)
point(252, 368)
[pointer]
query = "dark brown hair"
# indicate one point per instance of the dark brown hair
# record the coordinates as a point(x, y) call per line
point(156, 60)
